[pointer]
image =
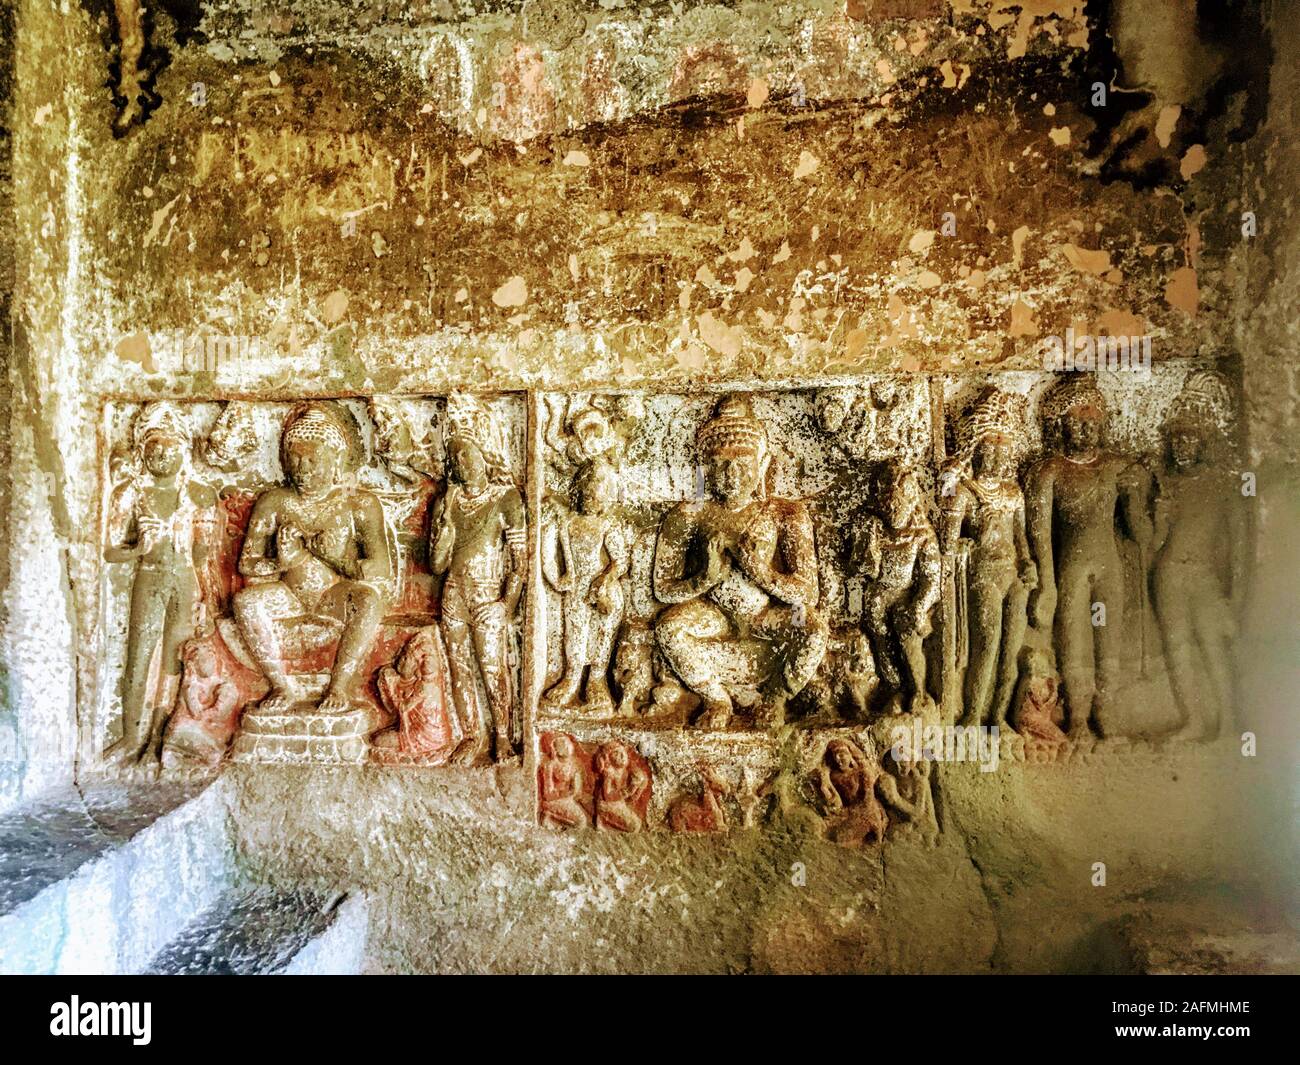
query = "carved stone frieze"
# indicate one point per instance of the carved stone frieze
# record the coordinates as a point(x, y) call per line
point(686, 611)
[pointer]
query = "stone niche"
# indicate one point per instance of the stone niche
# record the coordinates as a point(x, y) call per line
point(678, 610)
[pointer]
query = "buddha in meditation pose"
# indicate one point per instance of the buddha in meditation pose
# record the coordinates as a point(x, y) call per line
point(739, 572)
point(318, 559)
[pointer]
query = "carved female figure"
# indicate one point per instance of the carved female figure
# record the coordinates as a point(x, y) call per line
point(900, 556)
point(987, 504)
point(846, 785)
point(906, 787)
point(586, 559)
point(477, 539)
point(740, 574)
point(622, 788)
point(1199, 545)
point(209, 709)
point(564, 783)
point(152, 521)
point(1037, 705)
point(416, 690)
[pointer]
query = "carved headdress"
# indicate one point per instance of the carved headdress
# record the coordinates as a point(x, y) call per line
point(470, 419)
point(993, 411)
point(1205, 402)
point(1077, 390)
point(160, 419)
point(326, 421)
point(733, 427)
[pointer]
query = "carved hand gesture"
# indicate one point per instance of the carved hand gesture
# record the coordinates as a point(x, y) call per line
point(715, 559)
point(1042, 605)
point(602, 593)
point(150, 533)
point(290, 544)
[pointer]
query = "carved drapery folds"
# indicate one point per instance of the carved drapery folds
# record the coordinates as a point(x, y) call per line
point(687, 611)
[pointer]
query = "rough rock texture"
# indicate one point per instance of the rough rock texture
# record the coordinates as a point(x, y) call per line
point(345, 198)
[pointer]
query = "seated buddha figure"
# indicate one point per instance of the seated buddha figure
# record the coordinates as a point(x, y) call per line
point(739, 572)
point(318, 559)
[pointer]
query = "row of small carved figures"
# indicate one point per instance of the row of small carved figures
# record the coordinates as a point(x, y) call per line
point(608, 785)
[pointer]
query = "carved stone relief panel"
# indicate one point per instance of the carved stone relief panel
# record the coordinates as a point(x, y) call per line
point(716, 565)
point(729, 606)
point(1093, 532)
point(324, 581)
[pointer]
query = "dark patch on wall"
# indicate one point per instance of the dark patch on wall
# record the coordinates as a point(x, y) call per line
point(1226, 86)
point(137, 58)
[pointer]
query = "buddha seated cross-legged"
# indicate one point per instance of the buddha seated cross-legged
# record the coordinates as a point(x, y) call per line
point(318, 560)
point(739, 573)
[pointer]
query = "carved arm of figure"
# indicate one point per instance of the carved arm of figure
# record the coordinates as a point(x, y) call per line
point(1160, 507)
point(557, 557)
point(790, 538)
point(442, 536)
point(263, 529)
point(516, 536)
point(887, 788)
point(1026, 568)
point(830, 795)
point(671, 583)
point(954, 509)
point(638, 780)
point(1039, 503)
point(620, 563)
point(374, 561)
point(227, 698)
point(871, 555)
point(1134, 484)
point(928, 575)
point(130, 534)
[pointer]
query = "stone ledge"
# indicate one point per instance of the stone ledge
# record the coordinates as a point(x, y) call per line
point(262, 930)
point(133, 889)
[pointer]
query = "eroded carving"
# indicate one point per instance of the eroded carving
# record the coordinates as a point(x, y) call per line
point(1079, 501)
point(1199, 553)
point(623, 784)
point(478, 544)
point(585, 559)
point(416, 691)
point(232, 440)
point(900, 558)
point(319, 564)
point(565, 782)
point(152, 517)
point(610, 788)
point(846, 789)
point(984, 536)
point(733, 591)
point(1038, 714)
point(739, 572)
point(707, 811)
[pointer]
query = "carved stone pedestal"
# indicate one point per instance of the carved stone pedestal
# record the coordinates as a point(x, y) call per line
point(304, 736)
